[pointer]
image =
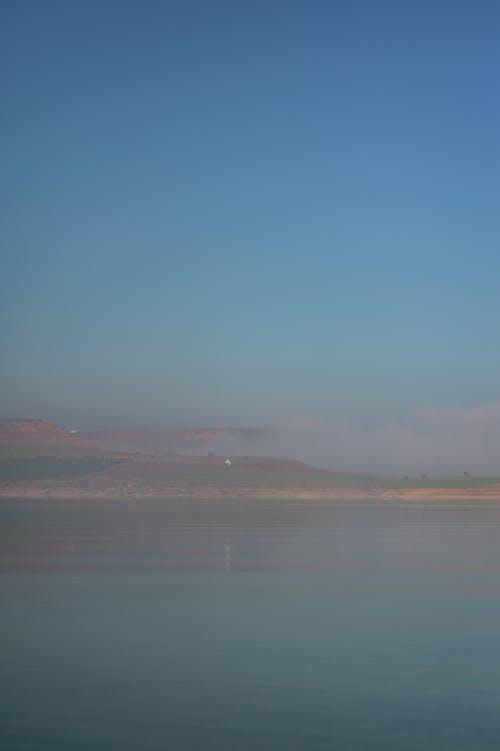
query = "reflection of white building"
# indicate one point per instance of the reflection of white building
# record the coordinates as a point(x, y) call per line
point(228, 463)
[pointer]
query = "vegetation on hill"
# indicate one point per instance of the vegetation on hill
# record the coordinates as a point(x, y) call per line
point(35, 450)
point(19, 469)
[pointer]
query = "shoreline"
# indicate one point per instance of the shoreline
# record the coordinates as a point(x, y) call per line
point(178, 492)
point(204, 478)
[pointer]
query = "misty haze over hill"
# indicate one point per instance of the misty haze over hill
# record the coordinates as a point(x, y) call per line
point(429, 440)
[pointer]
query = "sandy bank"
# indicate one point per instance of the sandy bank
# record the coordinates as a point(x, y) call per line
point(213, 491)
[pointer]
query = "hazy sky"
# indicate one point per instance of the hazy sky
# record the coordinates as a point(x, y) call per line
point(226, 212)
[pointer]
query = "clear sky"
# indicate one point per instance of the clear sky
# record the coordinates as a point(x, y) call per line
point(219, 212)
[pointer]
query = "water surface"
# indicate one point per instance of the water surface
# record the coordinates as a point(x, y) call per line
point(245, 625)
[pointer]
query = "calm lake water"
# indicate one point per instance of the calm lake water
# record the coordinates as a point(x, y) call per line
point(152, 625)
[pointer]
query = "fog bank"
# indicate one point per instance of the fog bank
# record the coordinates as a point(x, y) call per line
point(426, 440)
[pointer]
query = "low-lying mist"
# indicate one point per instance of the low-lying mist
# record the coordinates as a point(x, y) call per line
point(428, 440)
point(434, 441)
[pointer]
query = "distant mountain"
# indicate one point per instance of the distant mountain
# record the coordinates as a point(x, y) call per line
point(184, 440)
point(42, 435)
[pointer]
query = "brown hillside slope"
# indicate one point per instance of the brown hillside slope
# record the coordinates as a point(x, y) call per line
point(42, 435)
point(20, 431)
point(193, 477)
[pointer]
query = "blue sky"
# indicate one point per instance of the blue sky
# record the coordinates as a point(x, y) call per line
point(216, 212)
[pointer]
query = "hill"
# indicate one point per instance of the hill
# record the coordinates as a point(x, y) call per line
point(171, 477)
point(13, 431)
point(38, 459)
point(183, 440)
point(41, 436)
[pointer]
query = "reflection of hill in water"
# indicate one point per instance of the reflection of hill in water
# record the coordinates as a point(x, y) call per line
point(190, 535)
